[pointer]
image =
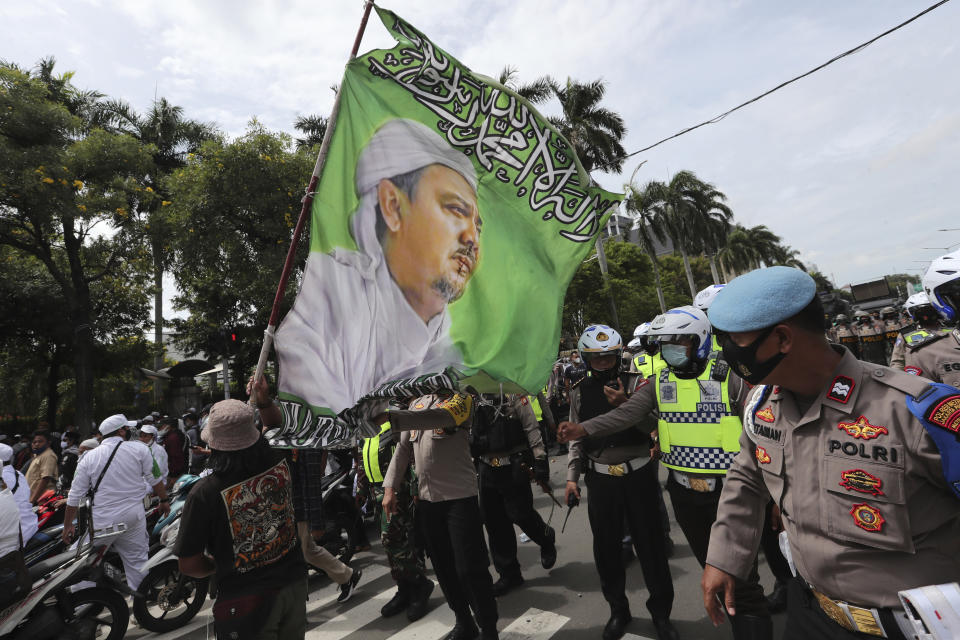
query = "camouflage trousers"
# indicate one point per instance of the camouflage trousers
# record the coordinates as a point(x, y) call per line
point(399, 536)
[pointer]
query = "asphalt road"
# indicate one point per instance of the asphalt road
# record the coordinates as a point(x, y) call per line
point(564, 603)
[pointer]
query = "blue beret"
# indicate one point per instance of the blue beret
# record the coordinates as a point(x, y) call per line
point(761, 299)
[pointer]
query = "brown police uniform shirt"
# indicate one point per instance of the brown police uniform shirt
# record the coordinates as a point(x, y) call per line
point(42, 466)
point(859, 484)
point(938, 360)
point(435, 432)
point(518, 406)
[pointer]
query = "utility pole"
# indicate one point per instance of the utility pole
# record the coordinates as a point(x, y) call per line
point(602, 259)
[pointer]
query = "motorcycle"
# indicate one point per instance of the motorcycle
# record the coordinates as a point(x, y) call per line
point(166, 599)
point(51, 610)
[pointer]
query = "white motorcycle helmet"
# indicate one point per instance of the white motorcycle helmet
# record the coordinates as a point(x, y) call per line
point(941, 282)
point(597, 340)
point(641, 330)
point(684, 321)
point(635, 344)
point(705, 297)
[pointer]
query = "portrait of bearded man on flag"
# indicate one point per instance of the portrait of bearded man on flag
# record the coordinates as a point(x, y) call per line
point(368, 316)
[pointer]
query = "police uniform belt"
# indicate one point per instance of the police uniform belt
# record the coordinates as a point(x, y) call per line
point(619, 469)
point(859, 619)
point(700, 485)
point(502, 461)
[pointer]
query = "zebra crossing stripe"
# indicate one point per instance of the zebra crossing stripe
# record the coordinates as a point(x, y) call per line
point(534, 624)
point(349, 621)
point(631, 636)
point(434, 625)
point(330, 593)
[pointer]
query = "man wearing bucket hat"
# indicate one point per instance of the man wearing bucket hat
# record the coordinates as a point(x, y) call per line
point(243, 514)
point(862, 460)
point(113, 476)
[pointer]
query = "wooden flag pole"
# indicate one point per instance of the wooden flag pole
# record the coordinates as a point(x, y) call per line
point(268, 335)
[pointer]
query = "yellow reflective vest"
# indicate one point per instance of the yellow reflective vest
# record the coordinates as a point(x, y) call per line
point(535, 405)
point(371, 455)
point(699, 431)
point(648, 365)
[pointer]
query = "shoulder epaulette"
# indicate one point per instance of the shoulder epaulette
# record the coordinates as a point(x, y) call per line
point(928, 340)
point(664, 375)
point(900, 380)
point(937, 407)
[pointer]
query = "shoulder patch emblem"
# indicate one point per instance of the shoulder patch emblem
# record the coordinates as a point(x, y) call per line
point(867, 518)
point(863, 429)
point(418, 406)
point(946, 414)
point(914, 371)
point(840, 389)
point(776, 389)
point(524, 400)
point(766, 415)
point(762, 456)
point(860, 480)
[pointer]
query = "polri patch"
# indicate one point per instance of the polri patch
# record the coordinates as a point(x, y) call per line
point(860, 480)
point(863, 429)
point(914, 371)
point(766, 415)
point(840, 389)
point(946, 414)
point(867, 518)
point(762, 456)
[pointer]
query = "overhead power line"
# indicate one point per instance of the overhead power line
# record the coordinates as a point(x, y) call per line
point(782, 85)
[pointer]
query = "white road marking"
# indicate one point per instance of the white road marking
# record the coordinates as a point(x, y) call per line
point(349, 621)
point(534, 624)
point(435, 624)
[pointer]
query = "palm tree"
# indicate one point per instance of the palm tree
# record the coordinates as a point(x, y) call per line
point(637, 202)
point(784, 254)
point(747, 249)
point(174, 137)
point(692, 213)
point(594, 131)
point(535, 92)
point(313, 128)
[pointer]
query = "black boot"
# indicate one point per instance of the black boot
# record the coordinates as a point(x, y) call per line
point(616, 625)
point(464, 629)
point(489, 633)
point(506, 583)
point(665, 629)
point(548, 552)
point(751, 627)
point(777, 600)
point(398, 602)
point(419, 599)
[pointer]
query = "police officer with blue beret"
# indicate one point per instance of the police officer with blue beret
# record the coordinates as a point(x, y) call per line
point(863, 461)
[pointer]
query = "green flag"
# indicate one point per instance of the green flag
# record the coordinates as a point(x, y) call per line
point(449, 219)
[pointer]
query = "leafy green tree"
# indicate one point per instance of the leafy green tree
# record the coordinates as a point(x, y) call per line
point(67, 195)
point(172, 139)
point(638, 204)
point(595, 132)
point(237, 203)
point(313, 127)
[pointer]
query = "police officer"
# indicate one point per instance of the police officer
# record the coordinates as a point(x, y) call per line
point(926, 325)
point(648, 361)
point(702, 301)
point(849, 451)
point(397, 532)
point(844, 334)
point(938, 357)
point(434, 433)
point(506, 442)
point(699, 431)
point(622, 485)
point(871, 339)
point(890, 320)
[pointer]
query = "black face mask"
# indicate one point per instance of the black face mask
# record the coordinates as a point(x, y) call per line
point(743, 360)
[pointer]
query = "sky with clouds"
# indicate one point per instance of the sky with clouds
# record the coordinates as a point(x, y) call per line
point(849, 166)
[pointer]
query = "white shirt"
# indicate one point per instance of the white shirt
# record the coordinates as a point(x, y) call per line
point(122, 485)
point(350, 331)
point(160, 455)
point(28, 519)
point(9, 523)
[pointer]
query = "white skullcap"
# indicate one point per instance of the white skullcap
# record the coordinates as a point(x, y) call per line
point(90, 443)
point(398, 147)
point(115, 423)
point(6, 453)
point(149, 428)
